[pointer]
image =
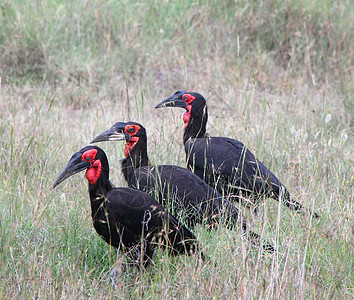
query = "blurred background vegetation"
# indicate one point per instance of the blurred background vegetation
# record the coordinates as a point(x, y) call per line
point(281, 45)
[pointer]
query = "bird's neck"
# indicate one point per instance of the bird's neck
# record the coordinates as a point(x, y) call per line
point(136, 159)
point(196, 127)
point(98, 192)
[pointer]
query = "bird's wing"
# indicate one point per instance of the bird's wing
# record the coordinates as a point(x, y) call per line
point(190, 193)
point(229, 159)
point(138, 211)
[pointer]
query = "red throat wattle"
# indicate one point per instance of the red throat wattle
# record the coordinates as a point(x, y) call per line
point(94, 172)
point(187, 116)
point(129, 145)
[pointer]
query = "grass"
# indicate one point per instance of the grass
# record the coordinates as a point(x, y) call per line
point(277, 75)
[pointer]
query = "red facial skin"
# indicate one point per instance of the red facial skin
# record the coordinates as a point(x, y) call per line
point(188, 98)
point(130, 145)
point(94, 172)
point(133, 139)
point(187, 116)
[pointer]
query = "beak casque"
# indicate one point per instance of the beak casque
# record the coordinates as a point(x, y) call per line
point(173, 101)
point(75, 165)
point(115, 133)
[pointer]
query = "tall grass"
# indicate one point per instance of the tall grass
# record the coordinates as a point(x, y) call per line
point(277, 75)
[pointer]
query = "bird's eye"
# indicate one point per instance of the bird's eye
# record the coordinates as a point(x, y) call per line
point(185, 98)
point(130, 129)
point(89, 155)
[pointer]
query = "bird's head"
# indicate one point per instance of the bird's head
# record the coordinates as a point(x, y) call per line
point(196, 115)
point(194, 104)
point(133, 133)
point(90, 158)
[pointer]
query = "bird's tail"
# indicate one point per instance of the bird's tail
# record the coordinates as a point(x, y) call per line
point(292, 204)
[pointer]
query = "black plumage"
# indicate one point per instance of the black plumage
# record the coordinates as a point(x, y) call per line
point(224, 163)
point(195, 200)
point(127, 218)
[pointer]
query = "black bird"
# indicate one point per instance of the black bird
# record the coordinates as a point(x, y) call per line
point(127, 218)
point(224, 163)
point(194, 199)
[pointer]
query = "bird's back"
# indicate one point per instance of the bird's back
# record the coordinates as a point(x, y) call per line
point(191, 196)
point(228, 165)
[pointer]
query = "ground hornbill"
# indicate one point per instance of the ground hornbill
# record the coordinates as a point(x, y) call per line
point(193, 199)
point(127, 218)
point(224, 163)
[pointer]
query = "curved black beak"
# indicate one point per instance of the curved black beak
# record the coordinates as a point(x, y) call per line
point(173, 101)
point(115, 133)
point(75, 165)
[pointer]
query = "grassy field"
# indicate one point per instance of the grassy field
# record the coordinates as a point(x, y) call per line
point(277, 75)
